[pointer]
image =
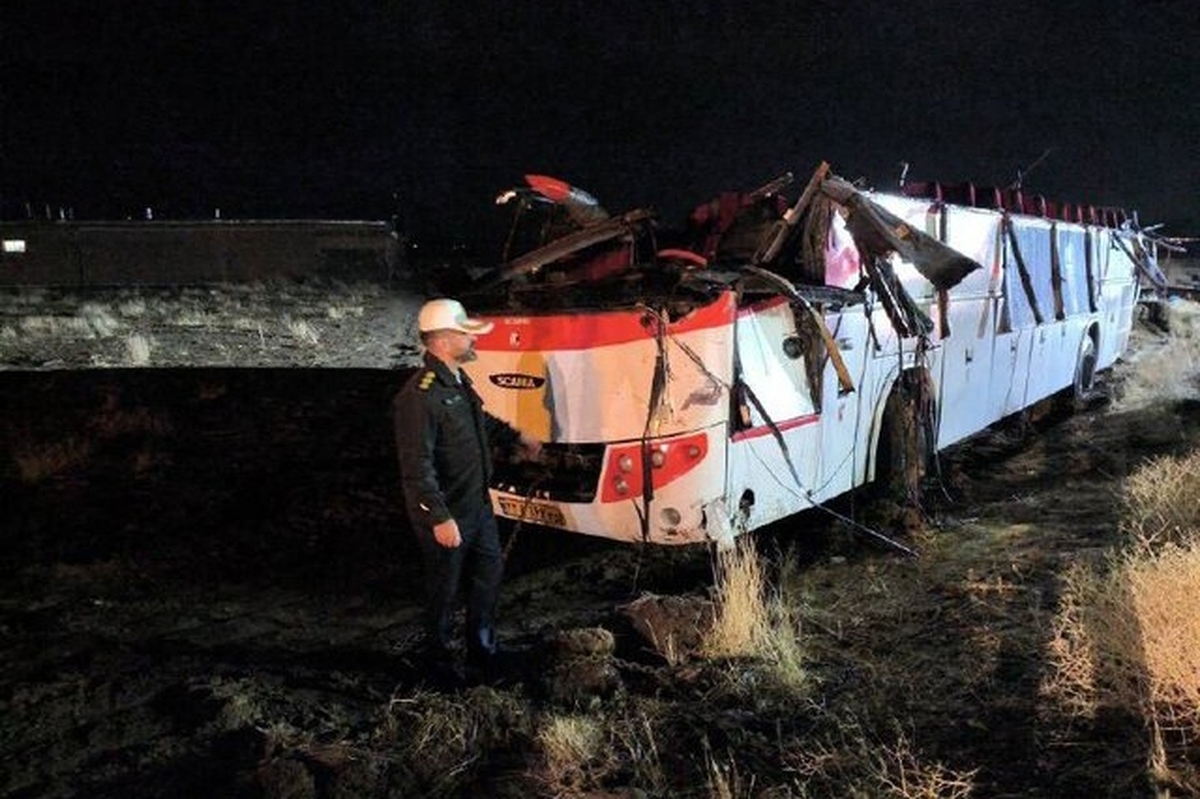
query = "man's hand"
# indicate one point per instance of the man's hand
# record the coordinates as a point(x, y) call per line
point(532, 447)
point(446, 534)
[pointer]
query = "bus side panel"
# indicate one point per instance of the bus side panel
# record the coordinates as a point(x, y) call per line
point(844, 439)
point(1118, 295)
point(964, 373)
point(761, 478)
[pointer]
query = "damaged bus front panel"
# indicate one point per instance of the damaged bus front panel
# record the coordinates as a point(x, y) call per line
point(617, 394)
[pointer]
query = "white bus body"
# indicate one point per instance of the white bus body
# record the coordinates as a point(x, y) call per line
point(655, 386)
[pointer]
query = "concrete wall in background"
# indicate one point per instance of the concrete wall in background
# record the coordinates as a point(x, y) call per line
point(83, 254)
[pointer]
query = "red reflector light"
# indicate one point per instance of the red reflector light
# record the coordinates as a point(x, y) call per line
point(668, 460)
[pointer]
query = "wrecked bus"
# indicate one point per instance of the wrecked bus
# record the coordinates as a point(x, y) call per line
point(778, 354)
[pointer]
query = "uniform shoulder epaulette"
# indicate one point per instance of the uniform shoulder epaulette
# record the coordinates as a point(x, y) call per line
point(427, 380)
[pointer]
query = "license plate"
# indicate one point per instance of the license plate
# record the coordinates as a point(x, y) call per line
point(532, 511)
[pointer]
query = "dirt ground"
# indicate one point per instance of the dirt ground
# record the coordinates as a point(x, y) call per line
point(208, 590)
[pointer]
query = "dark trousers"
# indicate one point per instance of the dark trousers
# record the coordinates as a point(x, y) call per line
point(479, 562)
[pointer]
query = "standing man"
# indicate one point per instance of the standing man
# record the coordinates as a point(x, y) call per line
point(444, 439)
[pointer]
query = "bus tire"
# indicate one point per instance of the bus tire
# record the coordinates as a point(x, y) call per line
point(902, 454)
point(1084, 386)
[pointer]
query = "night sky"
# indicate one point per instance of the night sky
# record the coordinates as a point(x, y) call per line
point(334, 109)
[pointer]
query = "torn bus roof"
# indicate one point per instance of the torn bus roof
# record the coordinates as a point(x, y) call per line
point(879, 232)
point(597, 247)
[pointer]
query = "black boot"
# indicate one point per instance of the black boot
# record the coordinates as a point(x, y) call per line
point(482, 657)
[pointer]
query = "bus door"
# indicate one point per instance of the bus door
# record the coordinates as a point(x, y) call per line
point(766, 480)
point(844, 438)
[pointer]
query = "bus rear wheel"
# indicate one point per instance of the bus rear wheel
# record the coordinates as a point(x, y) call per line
point(1085, 371)
point(1083, 387)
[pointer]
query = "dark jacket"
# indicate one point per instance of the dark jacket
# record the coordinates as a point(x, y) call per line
point(444, 439)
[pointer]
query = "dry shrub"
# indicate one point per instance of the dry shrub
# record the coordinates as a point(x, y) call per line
point(724, 781)
point(1168, 369)
point(856, 765)
point(755, 620)
point(635, 743)
point(900, 773)
point(442, 739)
point(1127, 632)
point(1127, 636)
point(1166, 603)
point(572, 747)
point(1162, 498)
point(1072, 680)
point(742, 620)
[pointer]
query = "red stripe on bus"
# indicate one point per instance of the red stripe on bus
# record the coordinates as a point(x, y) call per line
point(766, 430)
point(580, 330)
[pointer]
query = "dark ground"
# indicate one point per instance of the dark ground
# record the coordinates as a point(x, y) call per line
point(172, 537)
point(207, 589)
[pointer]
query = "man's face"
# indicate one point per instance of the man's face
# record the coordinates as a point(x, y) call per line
point(460, 346)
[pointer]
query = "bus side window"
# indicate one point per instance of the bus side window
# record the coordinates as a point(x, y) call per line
point(1039, 262)
point(1072, 244)
point(1019, 313)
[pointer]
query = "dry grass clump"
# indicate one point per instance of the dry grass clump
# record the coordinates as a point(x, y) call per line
point(1127, 632)
point(442, 740)
point(194, 317)
point(1168, 370)
point(573, 747)
point(724, 780)
point(754, 619)
point(1162, 498)
point(1127, 636)
point(1163, 589)
point(1094, 644)
point(133, 307)
point(742, 620)
point(635, 741)
point(580, 755)
point(859, 767)
point(339, 311)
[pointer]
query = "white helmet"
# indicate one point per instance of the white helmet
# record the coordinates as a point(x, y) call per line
point(447, 314)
